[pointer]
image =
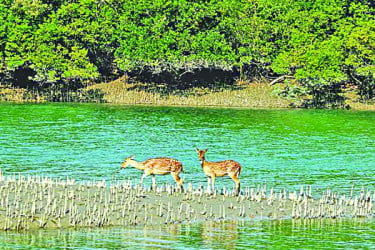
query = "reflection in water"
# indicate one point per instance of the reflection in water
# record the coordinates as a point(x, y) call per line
point(212, 234)
point(288, 234)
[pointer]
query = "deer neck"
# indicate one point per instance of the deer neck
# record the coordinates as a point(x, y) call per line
point(137, 165)
point(203, 162)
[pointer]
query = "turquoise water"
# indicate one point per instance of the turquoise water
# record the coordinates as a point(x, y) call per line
point(280, 148)
point(283, 148)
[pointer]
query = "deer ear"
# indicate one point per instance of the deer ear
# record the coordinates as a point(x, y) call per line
point(131, 157)
point(205, 150)
point(197, 149)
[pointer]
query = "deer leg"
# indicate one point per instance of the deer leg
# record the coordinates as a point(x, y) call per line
point(179, 181)
point(153, 187)
point(209, 184)
point(213, 183)
point(237, 183)
point(143, 176)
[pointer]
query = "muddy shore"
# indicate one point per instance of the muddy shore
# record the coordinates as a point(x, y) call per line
point(32, 202)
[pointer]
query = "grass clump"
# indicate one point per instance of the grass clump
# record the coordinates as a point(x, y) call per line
point(255, 95)
point(50, 94)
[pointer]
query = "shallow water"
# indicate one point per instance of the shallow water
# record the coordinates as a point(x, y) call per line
point(280, 148)
point(288, 234)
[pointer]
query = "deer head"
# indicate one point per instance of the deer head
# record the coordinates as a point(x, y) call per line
point(127, 161)
point(201, 153)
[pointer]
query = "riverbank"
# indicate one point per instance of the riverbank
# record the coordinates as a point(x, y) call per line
point(255, 95)
point(34, 202)
point(242, 94)
point(121, 91)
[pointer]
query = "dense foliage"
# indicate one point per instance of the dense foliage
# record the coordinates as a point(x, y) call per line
point(317, 43)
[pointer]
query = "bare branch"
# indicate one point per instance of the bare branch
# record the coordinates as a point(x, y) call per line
point(281, 78)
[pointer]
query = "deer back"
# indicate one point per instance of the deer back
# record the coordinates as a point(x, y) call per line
point(162, 166)
point(221, 168)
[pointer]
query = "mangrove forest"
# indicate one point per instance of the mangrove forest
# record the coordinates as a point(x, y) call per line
point(314, 49)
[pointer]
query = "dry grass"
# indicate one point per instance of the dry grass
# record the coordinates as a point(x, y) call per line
point(352, 99)
point(361, 106)
point(256, 95)
point(12, 94)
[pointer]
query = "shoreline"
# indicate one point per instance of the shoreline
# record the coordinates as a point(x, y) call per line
point(179, 106)
point(33, 202)
point(254, 96)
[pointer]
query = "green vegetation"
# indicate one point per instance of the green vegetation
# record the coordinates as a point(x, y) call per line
point(321, 49)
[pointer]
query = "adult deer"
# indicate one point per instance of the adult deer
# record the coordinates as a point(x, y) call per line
point(219, 169)
point(157, 166)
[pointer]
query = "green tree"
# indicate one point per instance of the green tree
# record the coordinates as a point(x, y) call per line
point(324, 45)
point(173, 36)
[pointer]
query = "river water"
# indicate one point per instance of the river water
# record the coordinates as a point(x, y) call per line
point(278, 148)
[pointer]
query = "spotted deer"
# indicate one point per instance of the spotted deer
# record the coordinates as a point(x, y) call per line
point(219, 169)
point(157, 166)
